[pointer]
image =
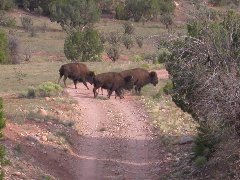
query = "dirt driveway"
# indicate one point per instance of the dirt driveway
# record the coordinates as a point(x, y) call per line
point(117, 141)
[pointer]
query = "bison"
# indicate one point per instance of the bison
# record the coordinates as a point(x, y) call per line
point(76, 72)
point(112, 81)
point(141, 77)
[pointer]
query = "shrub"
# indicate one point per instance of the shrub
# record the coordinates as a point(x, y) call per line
point(14, 49)
point(120, 12)
point(45, 89)
point(113, 38)
point(113, 53)
point(6, 4)
point(167, 89)
point(127, 41)
point(137, 58)
point(205, 75)
point(43, 27)
point(103, 38)
point(162, 55)
point(6, 21)
point(27, 23)
point(4, 50)
point(2, 119)
point(128, 28)
point(139, 41)
point(84, 46)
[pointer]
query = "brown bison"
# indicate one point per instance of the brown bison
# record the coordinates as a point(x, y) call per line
point(141, 77)
point(112, 81)
point(76, 72)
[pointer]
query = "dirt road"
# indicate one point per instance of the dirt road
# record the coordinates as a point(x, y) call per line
point(117, 141)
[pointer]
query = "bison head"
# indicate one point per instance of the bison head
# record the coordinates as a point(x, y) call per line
point(128, 82)
point(153, 78)
point(90, 77)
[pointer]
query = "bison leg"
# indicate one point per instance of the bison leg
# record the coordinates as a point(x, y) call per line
point(95, 92)
point(109, 93)
point(75, 83)
point(85, 84)
point(64, 80)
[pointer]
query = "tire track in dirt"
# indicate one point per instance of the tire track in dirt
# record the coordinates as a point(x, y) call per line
point(116, 141)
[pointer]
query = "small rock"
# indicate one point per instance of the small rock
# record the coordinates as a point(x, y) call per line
point(42, 112)
point(185, 139)
point(47, 98)
point(32, 139)
point(18, 174)
point(44, 138)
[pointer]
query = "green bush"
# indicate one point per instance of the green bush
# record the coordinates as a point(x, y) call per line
point(45, 89)
point(162, 55)
point(6, 20)
point(127, 41)
point(4, 50)
point(137, 58)
point(84, 46)
point(128, 28)
point(6, 4)
point(120, 12)
point(168, 88)
point(113, 53)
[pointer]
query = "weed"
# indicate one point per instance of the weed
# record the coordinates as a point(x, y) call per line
point(63, 137)
point(45, 89)
point(27, 23)
point(200, 161)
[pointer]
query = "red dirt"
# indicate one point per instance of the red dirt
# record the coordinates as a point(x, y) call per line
point(117, 140)
point(114, 139)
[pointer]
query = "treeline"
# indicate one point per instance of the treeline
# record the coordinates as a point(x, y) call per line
point(124, 10)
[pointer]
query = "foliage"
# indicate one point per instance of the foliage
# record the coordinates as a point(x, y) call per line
point(224, 2)
point(27, 23)
point(38, 6)
point(84, 46)
point(167, 89)
point(120, 12)
point(167, 20)
point(128, 28)
point(137, 58)
point(163, 55)
point(142, 9)
point(205, 142)
point(127, 41)
point(113, 38)
point(14, 49)
point(4, 51)
point(205, 76)
point(2, 119)
point(74, 14)
point(6, 4)
point(113, 53)
point(139, 41)
point(6, 21)
point(3, 160)
point(45, 89)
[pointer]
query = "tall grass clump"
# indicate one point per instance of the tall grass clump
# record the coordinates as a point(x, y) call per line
point(4, 50)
